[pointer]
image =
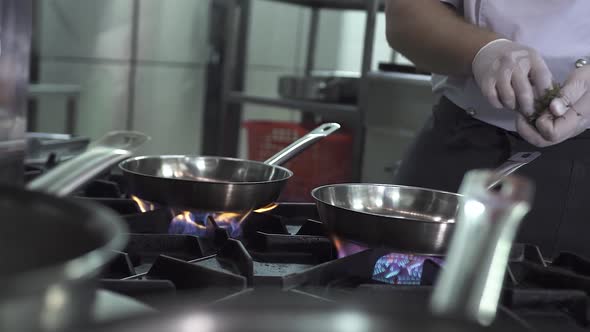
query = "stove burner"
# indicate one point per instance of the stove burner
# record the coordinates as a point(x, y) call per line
point(393, 268)
point(402, 269)
point(202, 224)
point(287, 249)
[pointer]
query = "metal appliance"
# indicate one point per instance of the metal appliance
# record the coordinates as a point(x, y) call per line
point(178, 261)
point(398, 105)
point(329, 88)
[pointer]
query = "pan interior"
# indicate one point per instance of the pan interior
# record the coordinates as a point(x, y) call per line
point(38, 231)
point(392, 201)
point(207, 169)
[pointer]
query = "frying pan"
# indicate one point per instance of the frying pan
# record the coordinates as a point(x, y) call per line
point(402, 218)
point(215, 183)
point(52, 248)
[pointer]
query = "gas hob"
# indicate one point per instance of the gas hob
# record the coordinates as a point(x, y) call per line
point(210, 258)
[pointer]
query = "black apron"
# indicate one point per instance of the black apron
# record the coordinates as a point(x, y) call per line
point(452, 142)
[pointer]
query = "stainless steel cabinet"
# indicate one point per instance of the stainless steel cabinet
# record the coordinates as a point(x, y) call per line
point(397, 107)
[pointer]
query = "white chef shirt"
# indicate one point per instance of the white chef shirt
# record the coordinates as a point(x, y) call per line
point(558, 29)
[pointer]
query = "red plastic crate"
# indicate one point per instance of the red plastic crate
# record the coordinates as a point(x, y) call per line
point(327, 162)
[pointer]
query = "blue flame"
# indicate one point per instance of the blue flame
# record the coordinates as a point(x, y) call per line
point(401, 269)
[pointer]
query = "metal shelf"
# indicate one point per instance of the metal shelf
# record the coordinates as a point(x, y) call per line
point(69, 92)
point(226, 71)
point(37, 90)
point(325, 109)
point(413, 79)
point(330, 4)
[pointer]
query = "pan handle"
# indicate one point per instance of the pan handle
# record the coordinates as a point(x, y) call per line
point(512, 165)
point(69, 176)
point(470, 285)
point(303, 143)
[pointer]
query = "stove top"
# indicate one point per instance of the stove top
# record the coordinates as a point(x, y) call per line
point(213, 258)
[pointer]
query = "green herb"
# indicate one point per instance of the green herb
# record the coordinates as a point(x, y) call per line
point(542, 103)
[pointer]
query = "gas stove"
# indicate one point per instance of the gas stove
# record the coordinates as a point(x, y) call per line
point(222, 257)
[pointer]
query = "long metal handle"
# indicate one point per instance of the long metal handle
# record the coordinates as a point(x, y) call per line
point(69, 176)
point(303, 143)
point(471, 281)
point(512, 165)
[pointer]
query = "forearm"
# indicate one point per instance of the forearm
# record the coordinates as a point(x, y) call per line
point(433, 36)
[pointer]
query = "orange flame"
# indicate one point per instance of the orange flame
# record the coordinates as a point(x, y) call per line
point(188, 218)
point(345, 248)
point(144, 206)
point(230, 220)
point(267, 208)
point(226, 217)
point(337, 244)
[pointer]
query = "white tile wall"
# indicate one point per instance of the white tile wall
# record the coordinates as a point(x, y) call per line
point(263, 82)
point(329, 40)
point(168, 107)
point(274, 32)
point(103, 101)
point(86, 28)
point(340, 40)
point(350, 46)
point(172, 50)
point(173, 30)
point(382, 51)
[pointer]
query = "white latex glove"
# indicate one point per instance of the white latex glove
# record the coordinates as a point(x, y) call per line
point(569, 115)
point(510, 75)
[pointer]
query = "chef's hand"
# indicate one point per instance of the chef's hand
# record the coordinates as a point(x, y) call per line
point(569, 114)
point(510, 75)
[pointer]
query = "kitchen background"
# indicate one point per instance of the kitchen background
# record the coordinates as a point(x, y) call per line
point(88, 43)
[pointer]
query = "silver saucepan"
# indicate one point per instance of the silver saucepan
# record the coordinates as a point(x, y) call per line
point(402, 218)
point(52, 249)
point(215, 183)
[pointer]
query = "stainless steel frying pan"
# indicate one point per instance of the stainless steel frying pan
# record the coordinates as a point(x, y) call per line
point(215, 183)
point(407, 219)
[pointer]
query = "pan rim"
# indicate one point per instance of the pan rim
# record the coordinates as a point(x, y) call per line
point(83, 266)
point(122, 166)
point(393, 218)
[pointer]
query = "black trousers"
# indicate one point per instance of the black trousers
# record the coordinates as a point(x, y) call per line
point(452, 143)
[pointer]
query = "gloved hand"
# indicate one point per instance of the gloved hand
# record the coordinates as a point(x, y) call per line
point(569, 115)
point(510, 75)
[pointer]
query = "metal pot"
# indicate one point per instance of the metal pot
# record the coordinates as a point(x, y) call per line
point(51, 248)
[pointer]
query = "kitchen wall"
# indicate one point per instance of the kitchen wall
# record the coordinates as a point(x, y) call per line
point(88, 42)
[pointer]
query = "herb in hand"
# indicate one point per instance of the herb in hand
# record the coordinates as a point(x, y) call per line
point(542, 103)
